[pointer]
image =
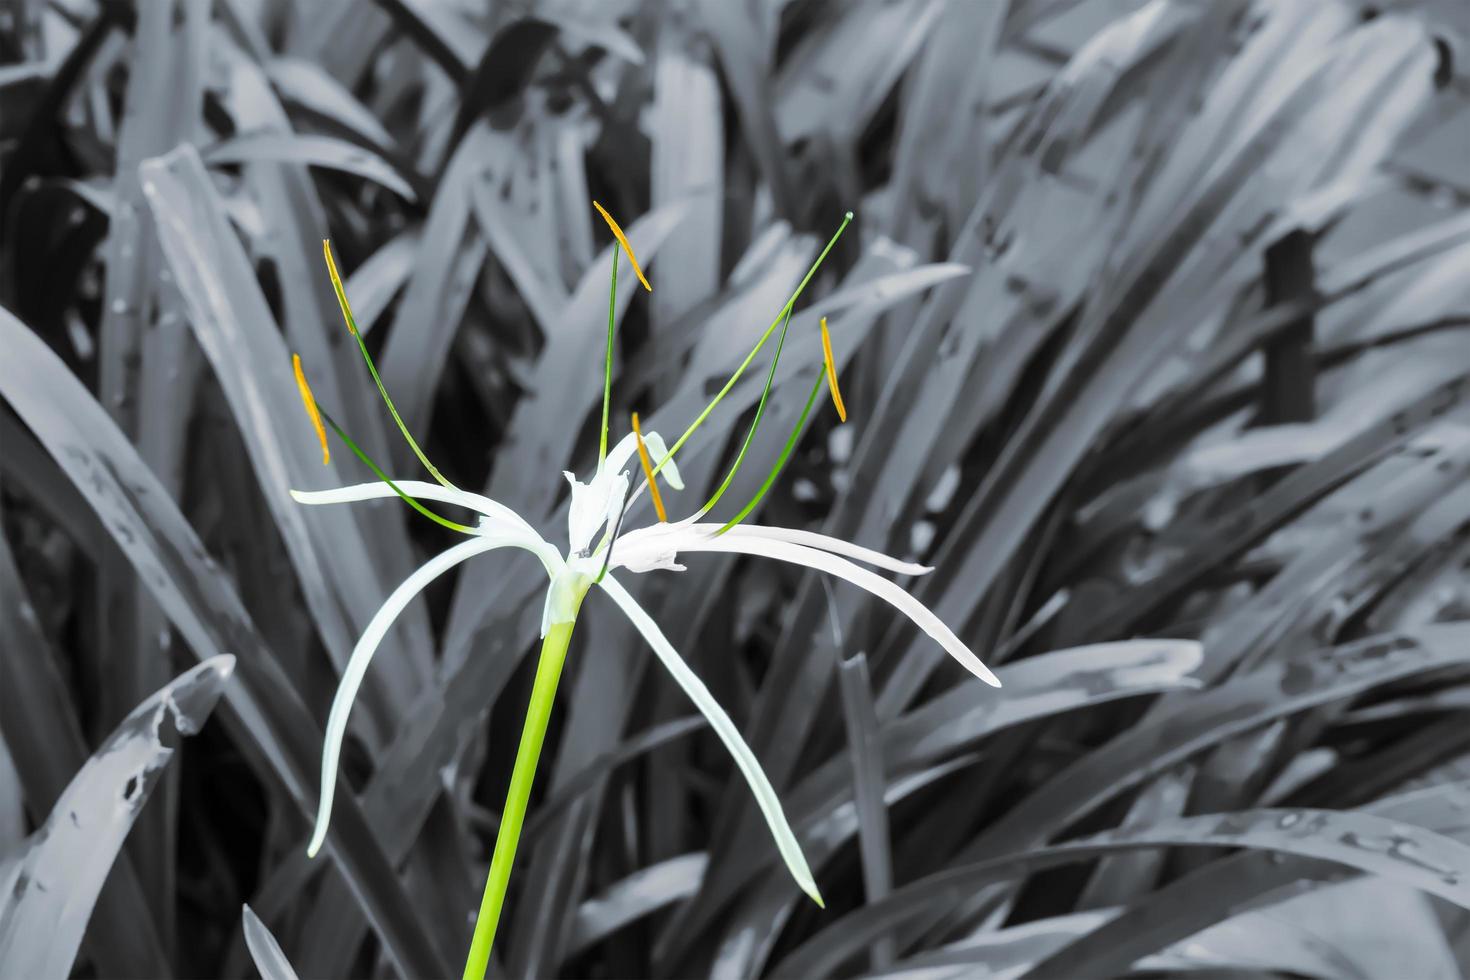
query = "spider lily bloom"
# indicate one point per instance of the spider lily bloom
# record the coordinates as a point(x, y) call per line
point(598, 546)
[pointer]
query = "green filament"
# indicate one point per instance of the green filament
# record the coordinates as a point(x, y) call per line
point(347, 441)
point(781, 461)
point(785, 312)
point(612, 319)
point(760, 409)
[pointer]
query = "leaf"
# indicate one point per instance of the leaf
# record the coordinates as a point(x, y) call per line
point(943, 119)
point(266, 717)
point(312, 323)
point(817, 92)
point(867, 790)
point(146, 370)
point(444, 35)
point(1059, 429)
point(44, 913)
point(1237, 883)
point(264, 949)
point(307, 84)
point(745, 57)
point(571, 788)
point(252, 363)
point(502, 225)
point(1039, 687)
point(1248, 942)
point(896, 440)
point(445, 268)
point(635, 896)
point(686, 127)
point(43, 736)
point(503, 72)
point(327, 152)
point(1241, 528)
point(1431, 862)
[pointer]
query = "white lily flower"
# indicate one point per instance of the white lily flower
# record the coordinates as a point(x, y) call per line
point(596, 505)
point(598, 545)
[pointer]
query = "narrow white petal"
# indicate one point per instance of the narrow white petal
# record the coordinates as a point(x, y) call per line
point(362, 655)
point(765, 794)
point(890, 593)
point(594, 506)
point(639, 549)
point(822, 542)
point(657, 450)
point(418, 489)
point(619, 455)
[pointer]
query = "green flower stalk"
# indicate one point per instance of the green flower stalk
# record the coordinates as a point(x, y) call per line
point(597, 547)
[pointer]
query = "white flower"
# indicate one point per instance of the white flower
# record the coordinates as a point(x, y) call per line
point(598, 545)
point(596, 506)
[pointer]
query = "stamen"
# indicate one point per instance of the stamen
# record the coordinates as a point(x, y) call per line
point(337, 288)
point(372, 368)
point(785, 312)
point(832, 372)
point(311, 409)
point(623, 241)
point(658, 503)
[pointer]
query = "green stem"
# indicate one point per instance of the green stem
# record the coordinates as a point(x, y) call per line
point(543, 695)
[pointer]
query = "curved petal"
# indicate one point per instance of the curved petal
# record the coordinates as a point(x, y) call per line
point(414, 488)
point(362, 655)
point(823, 542)
point(593, 506)
point(666, 539)
point(765, 794)
point(657, 450)
point(620, 455)
point(889, 592)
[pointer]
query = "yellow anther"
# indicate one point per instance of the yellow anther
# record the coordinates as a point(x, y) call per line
point(658, 501)
point(832, 372)
point(337, 286)
point(623, 241)
point(311, 409)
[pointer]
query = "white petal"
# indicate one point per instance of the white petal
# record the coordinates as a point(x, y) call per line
point(619, 455)
point(646, 547)
point(657, 451)
point(863, 579)
point(418, 489)
point(362, 655)
point(593, 506)
point(765, 794)
point(822, 542)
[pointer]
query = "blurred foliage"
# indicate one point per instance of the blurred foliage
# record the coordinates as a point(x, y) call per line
point(1152, 323)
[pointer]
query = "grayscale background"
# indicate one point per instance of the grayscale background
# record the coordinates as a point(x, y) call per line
point(1152, 332)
